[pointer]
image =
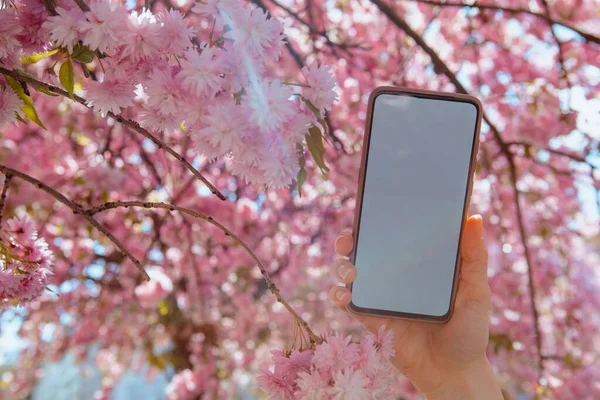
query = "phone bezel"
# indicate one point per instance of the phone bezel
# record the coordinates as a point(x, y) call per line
point(400, 91)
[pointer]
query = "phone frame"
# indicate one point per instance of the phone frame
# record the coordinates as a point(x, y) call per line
point(427, 94)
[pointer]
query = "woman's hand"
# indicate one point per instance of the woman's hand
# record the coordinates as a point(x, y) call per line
point(445, 361)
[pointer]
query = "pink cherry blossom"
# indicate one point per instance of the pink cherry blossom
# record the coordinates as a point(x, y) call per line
point(268, 104)
point(103, 27)
point(201, 73)
point(142, 41)
point(9, 29)
point(22, 229)
point(322, 84)
point(292, 364)
point(223, 128)
point(175, 33)
point(384, 341)
point(25, 262)
point(10, 104)
point(110, 96)
point(65, 28)
point(336, 351)
point(164, 92)
point(312, 386)
point(277, 387)
point(350, 385)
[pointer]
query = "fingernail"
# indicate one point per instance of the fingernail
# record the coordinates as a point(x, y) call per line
point(340, 295)
point(344, 269)
point(337, 241)
point(346, 232)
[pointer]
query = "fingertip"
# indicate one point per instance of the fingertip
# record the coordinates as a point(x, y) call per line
point(475, 222)
point(345, 270)
point(343, 244)
point(340, 296)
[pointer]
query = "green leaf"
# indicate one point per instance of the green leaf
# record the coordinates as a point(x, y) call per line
point(27, 108)
point(311, 107)
point(320, 118)
point(83, 54)
point(314, 140)
point(67, 77)
point(301, 179)
point(35, 57)
point(302, 162)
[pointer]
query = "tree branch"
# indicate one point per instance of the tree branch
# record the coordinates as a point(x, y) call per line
point(312, 29)
point(77, 209)
point(517, 10)
point(530, 283)
point(133, 125)
point(272, 287)
point(7, 178)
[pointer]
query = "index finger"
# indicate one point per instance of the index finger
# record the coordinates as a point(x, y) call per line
point(344, 243)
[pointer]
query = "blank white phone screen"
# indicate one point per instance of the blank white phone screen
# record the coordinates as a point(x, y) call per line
point(416, 181)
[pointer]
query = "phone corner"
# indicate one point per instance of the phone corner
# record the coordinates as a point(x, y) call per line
point(476, 103)
point(377, 91)
point(353, 307)
point(442, 319)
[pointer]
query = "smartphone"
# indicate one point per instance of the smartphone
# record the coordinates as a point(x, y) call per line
point(416, 177)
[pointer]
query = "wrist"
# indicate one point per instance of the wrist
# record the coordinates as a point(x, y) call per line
point(477, 381)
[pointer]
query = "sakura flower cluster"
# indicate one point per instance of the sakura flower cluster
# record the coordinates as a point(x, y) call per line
point(10, 104)
point(25, 262)
point(214, 86)
point(336, 369)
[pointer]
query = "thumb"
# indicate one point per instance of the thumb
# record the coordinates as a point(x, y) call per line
point(474, 259)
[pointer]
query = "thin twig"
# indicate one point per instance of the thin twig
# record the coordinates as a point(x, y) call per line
point(271, 285)
point(561, 56)
point(77, 209)
point(312, 29)
point(572, 156)
point(84, 7)
point(133, 125)
point(7, 178)
point(517, 10)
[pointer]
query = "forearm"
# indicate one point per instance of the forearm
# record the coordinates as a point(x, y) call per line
point(476, 382)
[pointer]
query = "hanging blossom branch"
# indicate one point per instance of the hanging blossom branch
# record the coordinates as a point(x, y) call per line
point(77, 209)
point(440, 65)
point(89, 213)
point(516, 10)
point(133, 125)
point(171, 207)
